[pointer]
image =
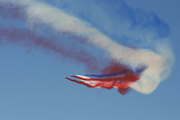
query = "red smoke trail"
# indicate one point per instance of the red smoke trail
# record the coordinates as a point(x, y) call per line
point(80, 82)
point(10, 11)
point(30, 39)
point(122, 83)
point(114, 67)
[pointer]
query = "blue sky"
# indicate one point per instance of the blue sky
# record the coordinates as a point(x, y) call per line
point(32, 84)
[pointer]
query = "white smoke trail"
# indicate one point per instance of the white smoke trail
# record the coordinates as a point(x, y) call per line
point(158, 63)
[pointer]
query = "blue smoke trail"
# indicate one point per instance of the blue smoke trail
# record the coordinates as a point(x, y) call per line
point(138, 71)
point(108, 75)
